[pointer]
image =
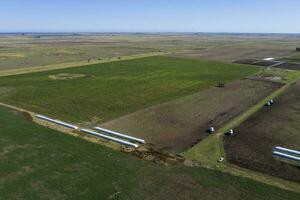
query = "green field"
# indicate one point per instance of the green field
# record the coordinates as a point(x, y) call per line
point(109, 90)
point(40, 163)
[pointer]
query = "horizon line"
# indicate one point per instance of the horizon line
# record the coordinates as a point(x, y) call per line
point(133, 32)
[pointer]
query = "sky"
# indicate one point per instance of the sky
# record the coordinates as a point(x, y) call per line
point(249, 16)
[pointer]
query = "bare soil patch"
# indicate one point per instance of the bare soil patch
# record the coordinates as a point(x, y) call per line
point(278, 125)
point(177, 125)
point(267, 77)
point(67, 76)
point(5, 90)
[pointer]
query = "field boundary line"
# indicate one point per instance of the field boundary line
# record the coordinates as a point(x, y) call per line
point(76, 64)
point(61, 129)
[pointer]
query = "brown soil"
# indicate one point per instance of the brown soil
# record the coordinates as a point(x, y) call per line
point(26, 116)
point(278, 125)
point(151, 154)
point(179, 124)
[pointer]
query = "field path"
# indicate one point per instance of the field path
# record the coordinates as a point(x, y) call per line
point(30, 115)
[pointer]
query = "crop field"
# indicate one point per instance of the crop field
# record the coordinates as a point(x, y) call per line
point(40, 163)
point(167, 89)
point(177, 125)
point(98, 93)
point(277, 125)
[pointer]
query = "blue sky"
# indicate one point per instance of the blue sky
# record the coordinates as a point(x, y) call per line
point(276, 16)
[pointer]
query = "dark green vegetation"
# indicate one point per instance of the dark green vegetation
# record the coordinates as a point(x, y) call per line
point(278, 125)
point(108, 90)
point(39, 163)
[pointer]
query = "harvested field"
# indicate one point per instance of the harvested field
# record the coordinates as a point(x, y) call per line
point(177, 125)
point(278, 125)
point(232, 53)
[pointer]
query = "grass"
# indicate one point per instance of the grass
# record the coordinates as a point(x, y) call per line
point(65, 65)
point(293, 58)
point(207, 151)
point(40, 163)
point(113, 89)
point(54, 49)
point(286, 75)
point(26, 52)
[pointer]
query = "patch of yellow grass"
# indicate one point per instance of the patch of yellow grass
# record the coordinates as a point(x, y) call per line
point(11, 55)
point(66, 76)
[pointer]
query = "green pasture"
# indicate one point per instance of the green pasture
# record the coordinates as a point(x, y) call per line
point(110, 90)
point(40, 163)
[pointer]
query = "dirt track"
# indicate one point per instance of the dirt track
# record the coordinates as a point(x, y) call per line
point(278, 125)
point(177, 125)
